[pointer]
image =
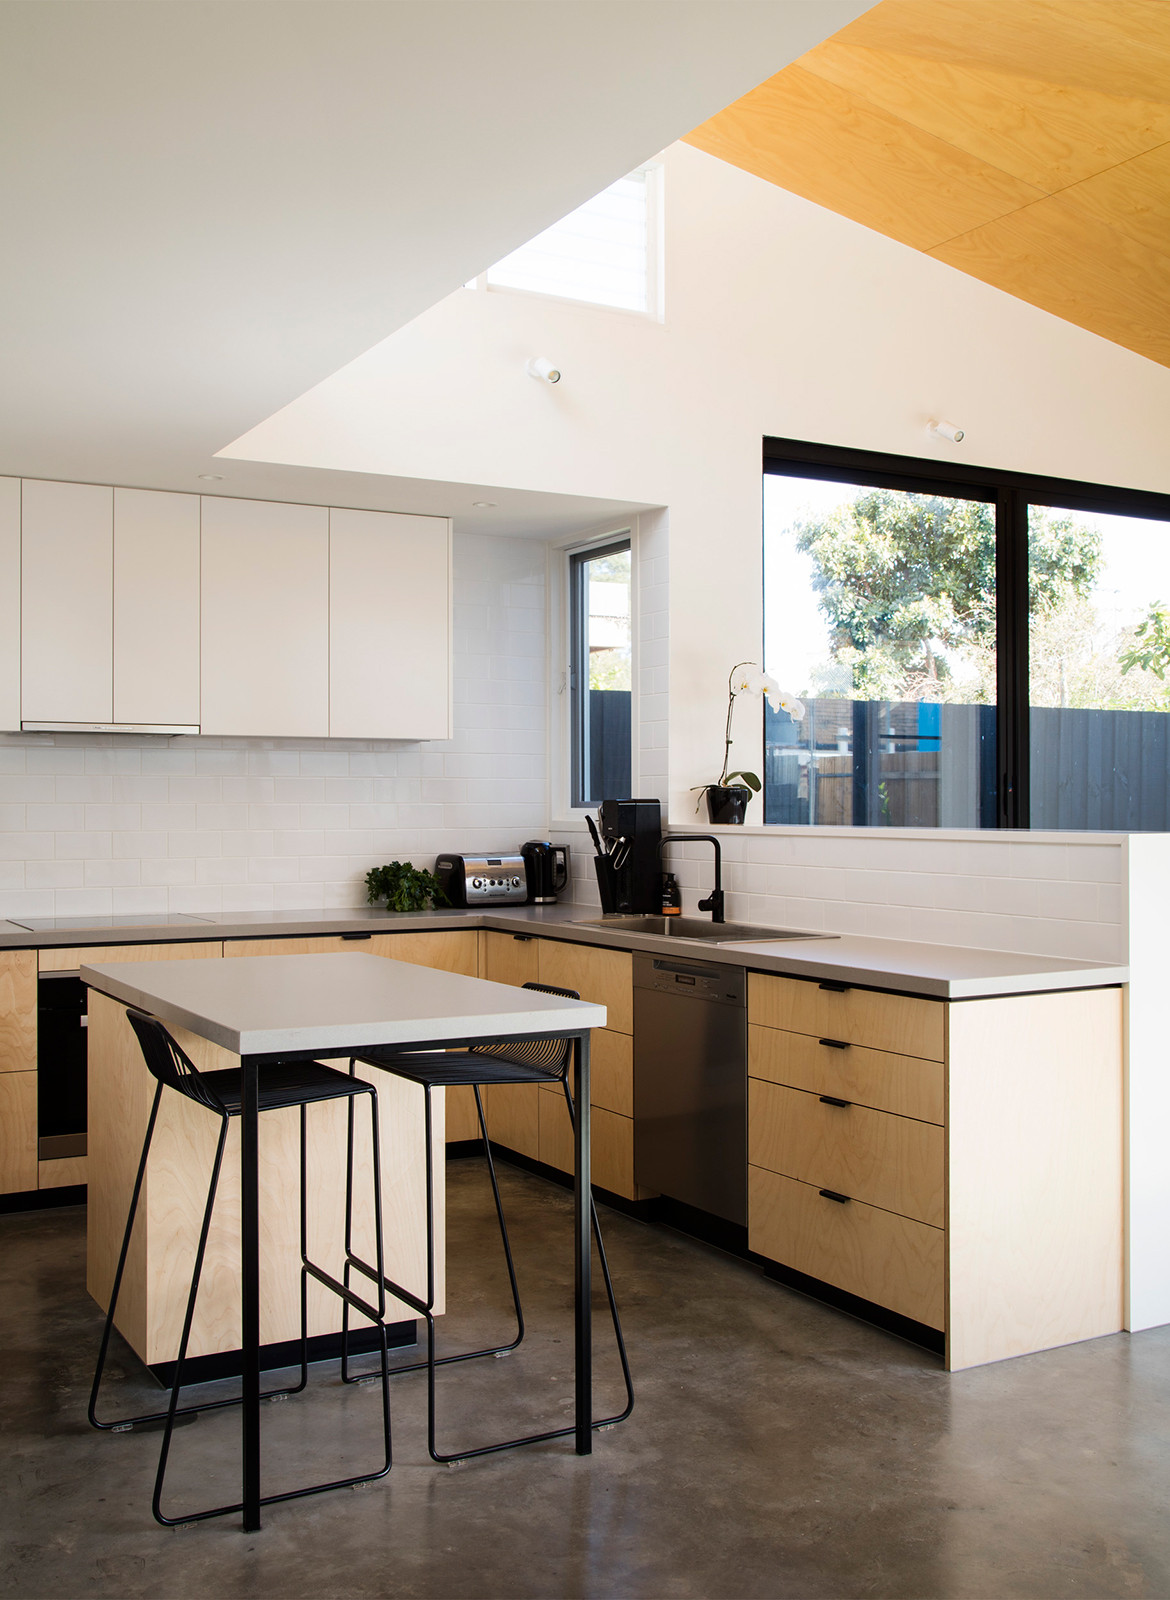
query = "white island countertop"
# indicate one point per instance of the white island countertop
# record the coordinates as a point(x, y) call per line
point(333, 1002)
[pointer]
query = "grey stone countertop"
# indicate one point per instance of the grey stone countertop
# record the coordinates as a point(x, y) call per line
point(941, 972)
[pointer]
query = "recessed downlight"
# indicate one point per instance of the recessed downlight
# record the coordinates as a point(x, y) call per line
point(211, 477)
point(485, 505)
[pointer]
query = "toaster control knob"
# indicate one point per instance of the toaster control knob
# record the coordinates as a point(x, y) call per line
point(515, 883)
point(477, 883)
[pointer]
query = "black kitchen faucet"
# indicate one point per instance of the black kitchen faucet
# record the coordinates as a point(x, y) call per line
point(714, 901)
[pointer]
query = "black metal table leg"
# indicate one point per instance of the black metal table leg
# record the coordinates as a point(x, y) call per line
point(250, 1288)
point(583, 1284)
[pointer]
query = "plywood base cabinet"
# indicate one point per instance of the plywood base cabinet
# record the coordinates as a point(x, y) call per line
point(956, 1163)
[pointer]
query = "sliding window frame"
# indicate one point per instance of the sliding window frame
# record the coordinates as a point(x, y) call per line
point(1011, 493)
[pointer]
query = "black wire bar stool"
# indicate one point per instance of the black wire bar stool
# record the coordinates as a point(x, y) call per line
point(533, 1061)
point(298, 1084)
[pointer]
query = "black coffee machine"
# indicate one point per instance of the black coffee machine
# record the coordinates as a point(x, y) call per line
point(630, 869)
point(546, 867)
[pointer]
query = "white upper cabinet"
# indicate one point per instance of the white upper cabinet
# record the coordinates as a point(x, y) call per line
point(9, 604)
point(66, 602)
point(156, 608)
point(265, 619)
point(389, 626)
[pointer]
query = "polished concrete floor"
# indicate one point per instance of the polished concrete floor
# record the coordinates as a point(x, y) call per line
point(778, 1448)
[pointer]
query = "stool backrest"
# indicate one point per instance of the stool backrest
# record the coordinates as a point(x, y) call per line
point(545, 1055)
point(170, 1064)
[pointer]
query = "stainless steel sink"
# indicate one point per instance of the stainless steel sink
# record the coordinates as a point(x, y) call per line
point(699, 929)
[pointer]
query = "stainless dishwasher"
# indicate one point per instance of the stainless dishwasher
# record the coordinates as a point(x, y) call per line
point(690, 1083)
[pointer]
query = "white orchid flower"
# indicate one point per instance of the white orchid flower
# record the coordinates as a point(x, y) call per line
point(748, 678)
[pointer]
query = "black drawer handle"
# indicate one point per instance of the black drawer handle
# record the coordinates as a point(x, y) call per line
point(835, 988)
point(828, 1100)
point(522, 938)
point(831, 1194)
point(357, 936)
point(835, 1044)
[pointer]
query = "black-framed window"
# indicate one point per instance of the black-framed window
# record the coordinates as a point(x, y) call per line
point(600, 667)
point(975, 648)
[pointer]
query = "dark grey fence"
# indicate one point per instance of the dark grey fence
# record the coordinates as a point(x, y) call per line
point(609, 744)
point(1103, 771)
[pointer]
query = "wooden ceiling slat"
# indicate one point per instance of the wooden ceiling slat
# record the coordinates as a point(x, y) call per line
point(815, 139)
point(1055, 256)
point(1026, 142)
point(1048, 135)
point(1090, 43)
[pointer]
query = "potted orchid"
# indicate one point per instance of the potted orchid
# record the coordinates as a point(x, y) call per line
point(727, 800)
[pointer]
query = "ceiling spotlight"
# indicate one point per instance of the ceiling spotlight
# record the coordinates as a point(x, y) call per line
point(538, 367)
point(485, 505)
point(211, 477)
point(946, 430)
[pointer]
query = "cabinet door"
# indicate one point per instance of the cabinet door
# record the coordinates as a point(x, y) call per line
point(513, 1110)
point(264, 629)
point(18, 1132)
point(389, 626)
point(18, 1011)
point(604, 976)
point(156, 607)
point(66, 602)
point(10, 604)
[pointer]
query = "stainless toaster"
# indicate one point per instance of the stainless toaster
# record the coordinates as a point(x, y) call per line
point(482, 880)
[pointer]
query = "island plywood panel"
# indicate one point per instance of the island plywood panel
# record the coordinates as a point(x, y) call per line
point(171, 1208)
point(18, 1011)
point(18, 1132)
point(1034, 1223)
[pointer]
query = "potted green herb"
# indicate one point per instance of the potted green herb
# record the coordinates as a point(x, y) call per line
point(403, 887)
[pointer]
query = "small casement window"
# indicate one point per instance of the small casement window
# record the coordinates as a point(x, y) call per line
point(606, 253)
point(600, 683)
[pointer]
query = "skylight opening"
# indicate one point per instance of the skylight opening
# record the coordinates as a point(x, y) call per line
point(604, 253)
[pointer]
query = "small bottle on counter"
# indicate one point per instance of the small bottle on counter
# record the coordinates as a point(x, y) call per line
point(671, 896)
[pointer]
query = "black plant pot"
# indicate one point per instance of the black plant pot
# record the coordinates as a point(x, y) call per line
point(727, 803)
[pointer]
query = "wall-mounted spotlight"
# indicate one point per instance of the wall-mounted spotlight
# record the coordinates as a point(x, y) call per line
point(538, 367)
point(946, 430)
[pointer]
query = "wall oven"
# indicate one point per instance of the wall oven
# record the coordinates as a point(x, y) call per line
point(62, 1066)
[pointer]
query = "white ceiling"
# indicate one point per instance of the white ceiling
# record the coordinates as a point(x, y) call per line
point(210, 205)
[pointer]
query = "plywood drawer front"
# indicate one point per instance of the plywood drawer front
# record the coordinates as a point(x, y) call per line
point(887, 1161)
point(97, 955)
point(899, 1023)
point(513, 1116)
point(309, 945)
point(907, 1085)
point(18, 1011)
point(604, 976)
point(509, 958)
point(612, 1145)
point(18, 1132)
point(456, 950)
point(893, 1261)
point(461, 1121)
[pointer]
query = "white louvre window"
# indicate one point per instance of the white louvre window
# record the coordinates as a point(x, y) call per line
point(603, 253)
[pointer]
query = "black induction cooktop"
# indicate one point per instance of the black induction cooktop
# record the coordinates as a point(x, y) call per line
point(165, 919)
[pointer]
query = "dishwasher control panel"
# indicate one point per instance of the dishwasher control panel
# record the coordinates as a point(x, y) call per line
point(700, 979)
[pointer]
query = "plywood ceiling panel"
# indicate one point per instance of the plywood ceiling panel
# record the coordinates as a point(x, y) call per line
point(1025, 142)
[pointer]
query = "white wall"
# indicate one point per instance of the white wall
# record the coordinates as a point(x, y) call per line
point(782, 319)
point(94, 824)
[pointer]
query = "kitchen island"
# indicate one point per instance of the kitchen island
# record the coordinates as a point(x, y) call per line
point(280, 1008)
